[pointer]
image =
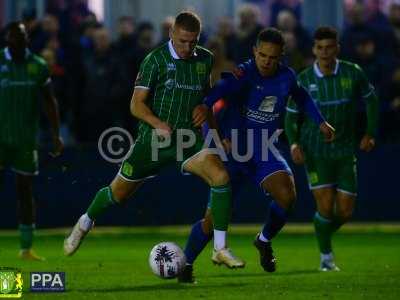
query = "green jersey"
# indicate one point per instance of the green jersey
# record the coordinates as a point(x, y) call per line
point(176, 85)
point(20, 85)
point(337, 97)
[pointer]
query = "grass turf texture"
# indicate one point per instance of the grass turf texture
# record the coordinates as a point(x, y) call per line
point(112, 264)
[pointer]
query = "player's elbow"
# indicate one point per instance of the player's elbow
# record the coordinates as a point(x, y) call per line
point(134, 108)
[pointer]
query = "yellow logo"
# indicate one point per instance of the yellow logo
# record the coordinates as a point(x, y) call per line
point(33, 69)
point(127, 169)
point(201, 68)
point(313, 177)
point(345, 83)
point(10, 283)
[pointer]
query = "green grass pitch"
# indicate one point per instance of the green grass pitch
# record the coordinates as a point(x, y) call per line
point(112, 264)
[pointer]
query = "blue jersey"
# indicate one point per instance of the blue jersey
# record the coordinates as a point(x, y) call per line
point(263, 99)
point(257, 103)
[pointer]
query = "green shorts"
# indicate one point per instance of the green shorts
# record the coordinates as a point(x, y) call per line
point(339, 173)
point(22, 160)
point(143, 162)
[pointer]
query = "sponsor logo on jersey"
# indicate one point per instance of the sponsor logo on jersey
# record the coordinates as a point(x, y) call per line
point(170, 84)
point(194, 87)
point(268, 104)
point(201, 68)
point(313, 88)
point(4, 83)
point(259, 116)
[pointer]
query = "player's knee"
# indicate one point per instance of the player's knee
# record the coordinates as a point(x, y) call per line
point(325, 211)
point(344, 214)
point(287, 198)
point(219, 177)
point(119, 194)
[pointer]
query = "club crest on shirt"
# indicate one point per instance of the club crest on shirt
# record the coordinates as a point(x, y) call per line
point(32, 69)
point(201, 68)
point(268, 104)
point(345, 83)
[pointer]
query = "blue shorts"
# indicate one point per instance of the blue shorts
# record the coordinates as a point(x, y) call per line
point(255, 169)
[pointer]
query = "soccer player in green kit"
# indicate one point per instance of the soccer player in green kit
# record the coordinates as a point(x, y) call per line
point(337, 86)
point(24, 82)
point(168, 94)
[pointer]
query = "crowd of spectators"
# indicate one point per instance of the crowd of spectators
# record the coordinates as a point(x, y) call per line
point(93, 74)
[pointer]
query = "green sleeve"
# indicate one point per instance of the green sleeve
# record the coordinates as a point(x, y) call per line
point(44, 73)
point(372, 114)
point(291, 122)
point(368, 94)
point(147, 75)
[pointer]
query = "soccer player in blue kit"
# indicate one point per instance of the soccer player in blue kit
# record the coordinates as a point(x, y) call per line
point(261, 87)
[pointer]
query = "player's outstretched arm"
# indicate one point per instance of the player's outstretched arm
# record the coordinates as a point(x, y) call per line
point(51, 110)
point(292, 134)
point(230, 84)
point(140, 110)
point(368, 140)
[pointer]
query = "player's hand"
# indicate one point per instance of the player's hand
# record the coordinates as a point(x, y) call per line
point(328, 131)
point(297, 154)
point(226, 143)
point(163, 130)
point(367, 143)
point(199, 115)
point(58, 145)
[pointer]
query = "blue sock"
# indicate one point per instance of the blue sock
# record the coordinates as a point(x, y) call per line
point(196, 242)
point(277, 218)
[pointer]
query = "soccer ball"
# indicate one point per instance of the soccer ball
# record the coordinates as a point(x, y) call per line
point(167, 260)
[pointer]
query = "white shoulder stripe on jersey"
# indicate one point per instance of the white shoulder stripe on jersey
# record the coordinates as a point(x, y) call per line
point(48, 81)
point(292, 110)
point(368, 94)
point(142, 87)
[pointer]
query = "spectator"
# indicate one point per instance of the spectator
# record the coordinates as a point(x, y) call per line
point(287, 22)
point(126, 39)
point(394, 18)
point(99, 80)
point(247, 32)
point(221, 62)
point(293, 56)
point(390, 119)
point(226, 33)
point(166, 26)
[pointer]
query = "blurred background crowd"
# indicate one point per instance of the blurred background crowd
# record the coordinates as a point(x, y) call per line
point(94, 68)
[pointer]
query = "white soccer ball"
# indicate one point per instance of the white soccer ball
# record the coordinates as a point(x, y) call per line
point(167, 260)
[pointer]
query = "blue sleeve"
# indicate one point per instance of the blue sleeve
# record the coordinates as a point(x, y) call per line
point(305, 102)
point(227, 86)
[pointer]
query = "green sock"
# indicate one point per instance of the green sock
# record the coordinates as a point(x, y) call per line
point(101, 202)
point(323, 232)
point(336, 224)
point(26, 235)
point(221, 206)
